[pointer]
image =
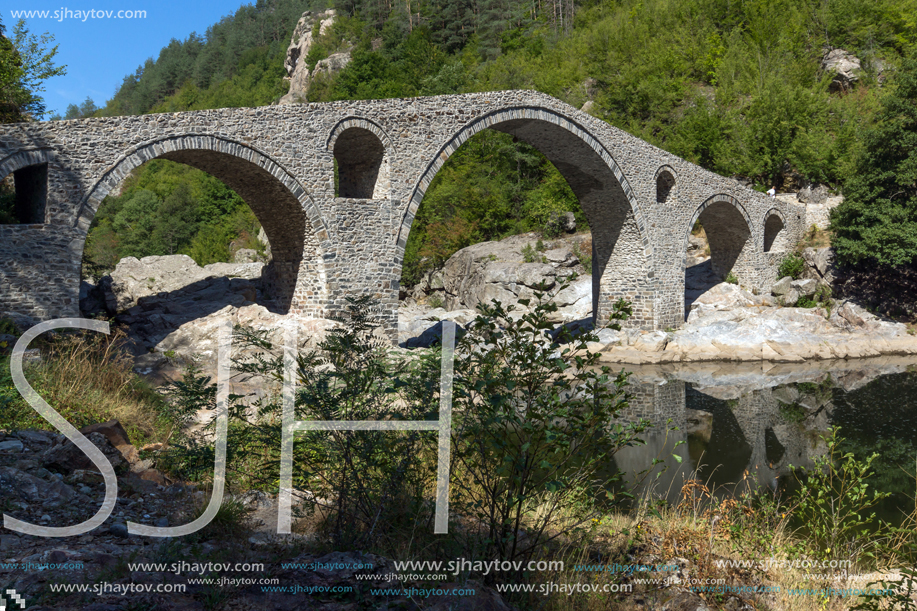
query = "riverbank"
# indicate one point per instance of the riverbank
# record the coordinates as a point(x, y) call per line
point(752, 332)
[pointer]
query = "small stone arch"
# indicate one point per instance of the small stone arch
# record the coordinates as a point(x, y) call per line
point(361, 149)
point(294, 226)
point(774, 231)
point(30, 175)
point(622, 255)
point(732, 241)
point(665, 183)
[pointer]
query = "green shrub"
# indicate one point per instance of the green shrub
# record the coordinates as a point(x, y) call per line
point(370, 479)
point(823, 294)
point(835, 500)
point(792, 265)
point(531, 254)
point(731, 278)
point(436, 300)
point(535, 425)
point(8, 327)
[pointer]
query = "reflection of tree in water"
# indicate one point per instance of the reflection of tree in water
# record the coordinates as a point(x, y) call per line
point(723, 459)
point(881, 417)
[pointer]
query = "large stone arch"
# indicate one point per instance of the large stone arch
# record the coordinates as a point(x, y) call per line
point(291, 220)
point(732, 239)
point(622, 256)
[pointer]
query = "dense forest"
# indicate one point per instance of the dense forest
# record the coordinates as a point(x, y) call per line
point(733, 85)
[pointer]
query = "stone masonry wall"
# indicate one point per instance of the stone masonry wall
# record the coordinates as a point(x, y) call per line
point(280, 159)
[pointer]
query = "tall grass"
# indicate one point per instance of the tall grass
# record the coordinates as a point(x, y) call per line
point(87, 377)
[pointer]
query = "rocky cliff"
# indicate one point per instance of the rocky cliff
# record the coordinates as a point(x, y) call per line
point(298, 70)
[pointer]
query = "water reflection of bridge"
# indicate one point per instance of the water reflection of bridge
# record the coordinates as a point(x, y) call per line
point(725, 420)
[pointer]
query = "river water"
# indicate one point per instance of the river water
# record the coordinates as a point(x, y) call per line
point(744, 426)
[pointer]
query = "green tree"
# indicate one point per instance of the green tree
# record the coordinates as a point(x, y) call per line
point(535, 425)
point(13, 95)
point(210, 245)
point(176, 221)
point(25, 64)
point(878, 219)
point(87, 109)
point(135, 222)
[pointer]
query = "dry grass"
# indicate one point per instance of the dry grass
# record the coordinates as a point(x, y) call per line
point(88, 377)
point(814, 238)
point(697, 535)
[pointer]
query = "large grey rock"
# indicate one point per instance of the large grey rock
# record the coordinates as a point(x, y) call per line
point(16, 484)
point(790, 298)
point(332, 64)
point(820, 265)
point(845, 67)
point(498, 270)
point(782, 286)
point(853, 314)
point(723, 296)
point(199, 337)
point(654, 341)
point(164, 277)
point(813, 194)
point(65, 456)
point(11, 445)
point(804, 287)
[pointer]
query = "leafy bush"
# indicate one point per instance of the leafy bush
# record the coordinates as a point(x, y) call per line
point(834, 499)
point(362, 482)
point(535, 423)
point(530, 254)
point(731, 278)
point(792, 265)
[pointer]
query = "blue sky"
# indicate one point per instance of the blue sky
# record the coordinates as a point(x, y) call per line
point(99, 52)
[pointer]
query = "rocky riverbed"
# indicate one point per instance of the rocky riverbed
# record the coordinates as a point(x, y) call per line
point(723, 321)
point(172, 308)
point(46, 480)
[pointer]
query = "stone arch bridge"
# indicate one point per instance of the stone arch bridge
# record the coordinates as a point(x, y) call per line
point(337, 237)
